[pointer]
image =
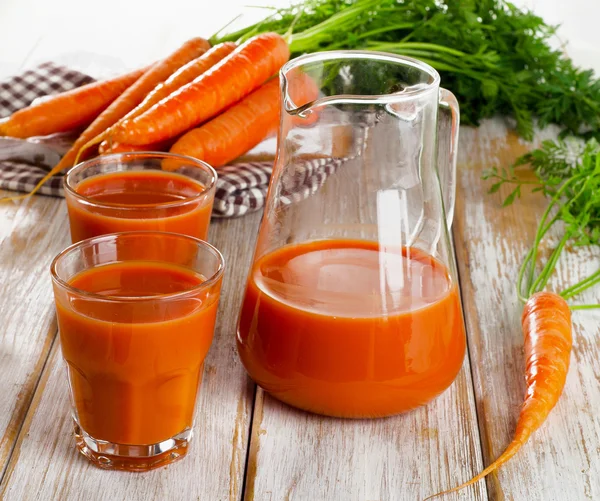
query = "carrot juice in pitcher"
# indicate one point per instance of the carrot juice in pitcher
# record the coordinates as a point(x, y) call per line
point(322, 330)
point(352, 306)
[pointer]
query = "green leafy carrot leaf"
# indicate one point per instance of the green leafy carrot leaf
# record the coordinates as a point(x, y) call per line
point(516, 193)
point(495, 187)
point(496, 58)
point(489, 173)
point(568, 174)
point(489, 88)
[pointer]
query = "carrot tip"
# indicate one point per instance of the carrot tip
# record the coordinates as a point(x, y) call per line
point(15, 198)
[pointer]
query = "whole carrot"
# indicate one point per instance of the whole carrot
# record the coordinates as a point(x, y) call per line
point(135, 94)
point(235, 131)
point(546, 323)
point(132, 96)
point(182, 76)
point(126, 102)
point(242, 126)
point(67, 110)
point(236, 76)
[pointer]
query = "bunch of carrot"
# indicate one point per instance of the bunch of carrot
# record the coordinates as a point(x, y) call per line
point(211, 103)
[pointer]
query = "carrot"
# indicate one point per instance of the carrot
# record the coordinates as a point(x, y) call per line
point(135, 94)
point(241, 127)
point(182, 76)
point(546, 323)
point(67, 110)
point(238, 74)
point(125, 103)
point(107, 147)
point(235, 131)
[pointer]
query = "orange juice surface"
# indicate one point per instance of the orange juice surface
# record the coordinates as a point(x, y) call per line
point(139, 200)
point(339, 327)
point(134, 366)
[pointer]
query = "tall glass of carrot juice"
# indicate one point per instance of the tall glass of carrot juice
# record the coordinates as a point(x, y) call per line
point(136, 314)
point(352, 304)
point(132, 192)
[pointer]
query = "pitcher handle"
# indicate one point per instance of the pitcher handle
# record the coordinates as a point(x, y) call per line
point(447, 169)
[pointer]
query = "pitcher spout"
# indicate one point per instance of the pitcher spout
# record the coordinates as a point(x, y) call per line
point(300, 93)
point(318, 80)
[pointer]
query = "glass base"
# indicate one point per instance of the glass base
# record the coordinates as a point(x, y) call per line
point(111, 456)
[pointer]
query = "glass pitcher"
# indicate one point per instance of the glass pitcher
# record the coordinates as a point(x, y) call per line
point(352, 305)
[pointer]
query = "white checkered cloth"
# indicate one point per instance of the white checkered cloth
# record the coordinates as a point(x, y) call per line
point(241, 187)
point(19, 91)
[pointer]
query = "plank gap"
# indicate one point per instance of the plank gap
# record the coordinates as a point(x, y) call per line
point(471, 376)
point(252, 450)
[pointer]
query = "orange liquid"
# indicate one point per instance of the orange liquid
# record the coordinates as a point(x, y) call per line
point(134, 367)
point(339, 328)
point(135, 197)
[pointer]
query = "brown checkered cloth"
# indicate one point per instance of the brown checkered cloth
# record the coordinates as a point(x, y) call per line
point(241, 187)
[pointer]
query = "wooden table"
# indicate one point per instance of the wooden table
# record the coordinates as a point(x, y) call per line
point(249, 446)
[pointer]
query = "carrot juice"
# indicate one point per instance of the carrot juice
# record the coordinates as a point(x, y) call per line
point(344, 328)
point(134, 333)
point(139, 200)
point(134, 368)
point(129, 192)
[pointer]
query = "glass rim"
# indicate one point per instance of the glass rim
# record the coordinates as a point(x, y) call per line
point(215, 277)
point(102, 159)
point(359, 98)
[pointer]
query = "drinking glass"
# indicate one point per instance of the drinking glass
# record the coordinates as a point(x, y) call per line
point(352, 304)
point(136, 314)
point(132, 191)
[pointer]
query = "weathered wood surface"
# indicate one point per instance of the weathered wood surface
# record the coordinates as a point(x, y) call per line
point(562, 461)
point(297, 456)
point(45, 464)
point(258, 449)
point(31, 233)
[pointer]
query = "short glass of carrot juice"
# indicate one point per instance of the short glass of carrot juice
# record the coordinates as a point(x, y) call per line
point(132, 191)
point(136, 313)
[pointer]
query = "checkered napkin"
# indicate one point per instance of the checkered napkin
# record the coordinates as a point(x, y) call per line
point(241, 187)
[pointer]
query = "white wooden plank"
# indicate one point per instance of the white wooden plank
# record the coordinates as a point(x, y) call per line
point(31, 233)
point(45, 464)
point(299, 456)
point(561, 460)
